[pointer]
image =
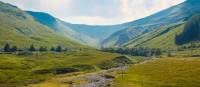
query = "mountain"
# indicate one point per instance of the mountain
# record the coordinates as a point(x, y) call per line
point(99, 32)
point(191, 31)
point(163, 38)
point(20, 29)
point(91, 35)
point(169, 36)
point(177, 13)
point(62, 28)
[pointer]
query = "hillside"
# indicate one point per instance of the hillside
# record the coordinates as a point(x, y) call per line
point(20, 29)
point(163, 37)
point(191, 32)
point(171, 15)
point(169, 36)
point(63, 29)
point(91, 35)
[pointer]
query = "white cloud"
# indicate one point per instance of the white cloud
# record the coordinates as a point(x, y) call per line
point(96, 11)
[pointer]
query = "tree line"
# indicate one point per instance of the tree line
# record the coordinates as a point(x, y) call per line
point(147, 52)
point(8, 48)
point(192, 45)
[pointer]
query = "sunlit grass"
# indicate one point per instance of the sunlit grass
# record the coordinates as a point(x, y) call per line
point(166, 72)
point(19, 70)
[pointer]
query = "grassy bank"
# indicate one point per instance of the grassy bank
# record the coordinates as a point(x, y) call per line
point(165, 72)
point(25, 69)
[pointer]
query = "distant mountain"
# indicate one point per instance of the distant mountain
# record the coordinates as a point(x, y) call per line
point(100, 32)
point(19, 28)
point(63, 28)
point(171, 15)
point(91, 35)
point(163, 38)
point(191, 31)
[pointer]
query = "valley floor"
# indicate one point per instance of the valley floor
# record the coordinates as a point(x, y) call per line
point(162, 72)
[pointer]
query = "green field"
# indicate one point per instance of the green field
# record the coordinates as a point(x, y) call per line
point(164, 72)
point(16, 70)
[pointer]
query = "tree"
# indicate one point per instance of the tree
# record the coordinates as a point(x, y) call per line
point(32, 48)
point(13, 49)
point(7, 48)
point(58, 49)
point(52, 49)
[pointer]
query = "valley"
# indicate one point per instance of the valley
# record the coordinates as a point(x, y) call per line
point(37, 49)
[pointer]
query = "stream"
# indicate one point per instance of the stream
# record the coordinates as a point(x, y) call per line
point(101, 79)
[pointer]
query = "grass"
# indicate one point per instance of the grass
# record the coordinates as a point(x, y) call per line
point(163, 38)
point(21, 70)
point(20, 29)
point(164, 72)
point(65, 80)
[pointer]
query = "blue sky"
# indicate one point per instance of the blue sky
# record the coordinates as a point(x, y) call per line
point(96, 12)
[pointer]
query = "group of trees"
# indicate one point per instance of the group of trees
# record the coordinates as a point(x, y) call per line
point(8, 48)
point(147, 52)
point(32, 48)
point(192, 45)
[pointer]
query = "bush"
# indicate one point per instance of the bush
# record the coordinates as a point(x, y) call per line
point(108, 64)
point(123, 60)
point(7, 48)
point(84, 67)
point(64, 70)
point(56, 70)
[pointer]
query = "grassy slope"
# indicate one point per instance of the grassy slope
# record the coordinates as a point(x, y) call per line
point(161, 38)
point(19, 28)
point(166, 72)
point(19, 70)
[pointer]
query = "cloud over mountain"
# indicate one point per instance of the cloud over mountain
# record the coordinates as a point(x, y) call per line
point(96, 11)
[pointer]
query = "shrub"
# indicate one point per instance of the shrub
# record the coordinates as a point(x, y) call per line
point(108, 64)
point(83, 67)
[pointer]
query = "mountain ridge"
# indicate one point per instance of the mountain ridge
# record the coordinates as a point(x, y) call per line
point(20, 29)
point(174, 14)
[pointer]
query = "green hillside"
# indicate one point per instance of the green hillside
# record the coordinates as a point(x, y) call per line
point(20, 29)
point(18, 70)
point(191, 32)
point(161, 38)
point(169, 36)
point(165, 72)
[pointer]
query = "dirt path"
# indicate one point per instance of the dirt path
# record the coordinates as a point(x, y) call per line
point(97, 79)
point(101, 79)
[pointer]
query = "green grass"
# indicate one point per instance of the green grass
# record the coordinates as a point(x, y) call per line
point(163, 38)
point(164, 72)
point(20, 29)
point(20, 70)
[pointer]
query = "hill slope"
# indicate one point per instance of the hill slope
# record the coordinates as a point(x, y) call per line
point(91, 35)
point(19, 28)
point(171, 15)
point(191, 31)
point(62, 28)
point(163, 37)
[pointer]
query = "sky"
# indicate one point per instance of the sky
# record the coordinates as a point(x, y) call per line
point(96, 12)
